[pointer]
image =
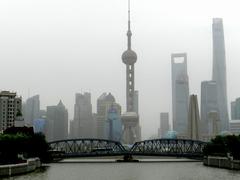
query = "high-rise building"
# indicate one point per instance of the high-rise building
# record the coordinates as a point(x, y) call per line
point(58, 117)
point(10, 109)
point(214, 125)
point(40, 126)
point(208, 104)
point(83, 120)
point(114, 122)
point(31, 110)
point(104, 102)
point(164, 125)
point(219, 72)
point(234, 127)
point(193, 118)
point(180, 94)
point(235, 109)
point(130, 119)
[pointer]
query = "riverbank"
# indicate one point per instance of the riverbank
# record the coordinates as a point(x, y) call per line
point(21, 168)
point(221, 162)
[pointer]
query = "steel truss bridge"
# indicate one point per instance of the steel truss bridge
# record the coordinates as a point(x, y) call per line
point(100, 147)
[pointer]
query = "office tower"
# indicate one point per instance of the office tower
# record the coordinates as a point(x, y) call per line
point(219, 71)
point(214, 125)
point(57, 117)
point(73, 130)
point(180, 94)
point(164, 125)
point(40, 126)
point(82, 126)
point(193, 118)
point(234, 127)
point(130, 119)
point(104, 102)
point(235, 109)
point(10, 109)
point(42, 113)
point(31, 110)
point(208, 104)
point(114, 129)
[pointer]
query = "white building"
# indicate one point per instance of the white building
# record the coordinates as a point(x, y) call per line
point(234, 127)
point(10, 109)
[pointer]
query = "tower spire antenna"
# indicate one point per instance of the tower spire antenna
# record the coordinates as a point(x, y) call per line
point(129, 33)
point(129, 14)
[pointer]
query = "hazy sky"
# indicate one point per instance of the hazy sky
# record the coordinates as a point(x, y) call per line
point(56, 48)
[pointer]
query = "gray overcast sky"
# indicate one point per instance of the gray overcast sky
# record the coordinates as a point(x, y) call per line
point(56, 48)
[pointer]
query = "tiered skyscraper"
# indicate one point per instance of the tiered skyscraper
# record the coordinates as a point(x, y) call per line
point(180, 94)
point(130, 119)
point(219, 71)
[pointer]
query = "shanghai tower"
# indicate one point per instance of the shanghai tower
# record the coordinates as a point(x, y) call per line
point(219, 72)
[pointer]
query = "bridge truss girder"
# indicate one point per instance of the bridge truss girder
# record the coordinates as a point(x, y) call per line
point(100, 147)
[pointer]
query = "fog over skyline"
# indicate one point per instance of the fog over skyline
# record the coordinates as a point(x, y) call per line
point(56, 48)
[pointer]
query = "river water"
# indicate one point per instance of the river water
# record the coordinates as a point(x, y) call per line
point(130, 171)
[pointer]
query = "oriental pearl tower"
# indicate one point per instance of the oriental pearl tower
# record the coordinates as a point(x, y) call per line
point(130, 119)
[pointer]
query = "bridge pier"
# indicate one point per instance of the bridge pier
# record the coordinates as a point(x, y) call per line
point(127, 158)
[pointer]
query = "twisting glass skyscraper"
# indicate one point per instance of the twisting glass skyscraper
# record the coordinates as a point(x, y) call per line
point(219, 71)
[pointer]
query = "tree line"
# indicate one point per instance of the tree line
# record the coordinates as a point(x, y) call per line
point(14, 148)
point(223, 146)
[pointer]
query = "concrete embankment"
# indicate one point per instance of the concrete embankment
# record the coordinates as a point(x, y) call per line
point(22, 168)
point(221, 162)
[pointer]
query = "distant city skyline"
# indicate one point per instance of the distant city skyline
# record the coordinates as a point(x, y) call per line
point(51, 47)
